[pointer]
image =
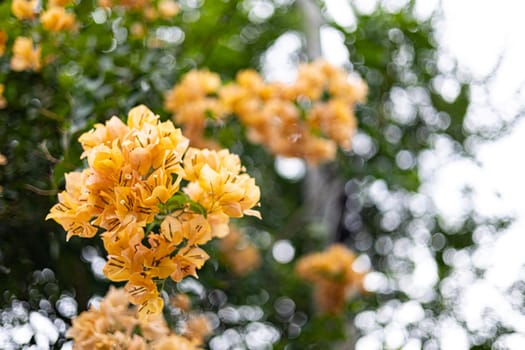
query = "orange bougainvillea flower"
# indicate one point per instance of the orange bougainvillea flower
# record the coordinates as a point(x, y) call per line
point(308, 118)
point(3, 101)
point(73, 211)
point(240, 255)
point(25, 55)
point(168, 8)
point(332, 275)
point(175, 342)
point(24, 9)
point(57, 19)
point(114, 325)
point(181, 301)
point(130, 4)
point(196, 328)
point(194, 103)
point(217, 183)
point(61, 3)
point(131, 193)
point(3, 41)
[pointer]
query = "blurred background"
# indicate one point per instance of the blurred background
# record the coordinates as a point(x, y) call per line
point(429, 197)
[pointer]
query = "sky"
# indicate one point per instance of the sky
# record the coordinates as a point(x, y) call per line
point(482, 35)
point(478, 39)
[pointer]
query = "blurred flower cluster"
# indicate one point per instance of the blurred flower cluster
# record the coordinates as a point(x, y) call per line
point(57, 17)
point(113, 325)
point(194, 101)
point(333, 277)
point(151, 9)
point(54, 18)
point(132, 186)
point(148, 11)
point(240, 255)
point(308, 118)
point(36, 21)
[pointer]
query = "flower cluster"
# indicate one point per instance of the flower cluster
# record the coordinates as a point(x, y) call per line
point(333, 277)
point(58, 16)
point(26, 55)
point(143, 14)
point(193, 102)
point(114, 325)
point(55, 18)
point(196, 327)
point(240, 255)
point(308, 118)
point(132, 187)
point(165, 9)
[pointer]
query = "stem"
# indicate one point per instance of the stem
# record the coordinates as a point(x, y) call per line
point(323, 188)
point(312, 27)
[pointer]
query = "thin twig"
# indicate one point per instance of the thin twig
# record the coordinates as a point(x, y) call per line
point(40, 191)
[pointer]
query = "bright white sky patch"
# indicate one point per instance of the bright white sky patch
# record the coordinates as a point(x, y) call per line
point(453, 336)
point(341, 12)
point(473, 33)
point(276, 64)
point(290, 167)
point(477, 34)
point(366, 7)
point(333, 46)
